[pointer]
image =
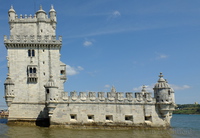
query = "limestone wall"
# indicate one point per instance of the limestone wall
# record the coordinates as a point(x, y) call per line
point(115, 109)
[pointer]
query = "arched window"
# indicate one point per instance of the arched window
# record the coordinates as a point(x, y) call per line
point(31, 53)
point(31, 70)
point(34, 70)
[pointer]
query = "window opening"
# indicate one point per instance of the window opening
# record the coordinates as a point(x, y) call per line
point(90, 117)
point(62, 72)
point(32, 74)
point(34, 70)
point(31, 53)
point(169, 93)
point(128, 118)
point(147, 118)
point(31, 70)
point(73, 117)
point(47, 90)
point(109, 118)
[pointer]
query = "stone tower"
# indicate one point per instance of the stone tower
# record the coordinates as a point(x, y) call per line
point(34, 67)
point(165, 101)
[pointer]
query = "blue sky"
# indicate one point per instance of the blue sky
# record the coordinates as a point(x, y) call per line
point(125, 43)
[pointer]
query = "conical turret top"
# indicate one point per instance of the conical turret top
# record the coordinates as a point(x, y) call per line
point(161, 82)
point(52, 9)
point(11, 9)
point(113, 89)
point(51, 82)
point(143, 89)
point(161, 78)
point(8, 80)
point(41, 14)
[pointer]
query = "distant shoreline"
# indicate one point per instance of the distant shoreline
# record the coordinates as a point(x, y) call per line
point(187, 109)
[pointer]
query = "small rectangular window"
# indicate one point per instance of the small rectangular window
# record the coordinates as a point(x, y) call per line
point(62, 72)
point(90, 117)
point(147, 118)
point(109, 118)
point(128, 118)
point(73, 117)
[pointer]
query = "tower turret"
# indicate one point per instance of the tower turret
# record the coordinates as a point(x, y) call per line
point(41, 14)
point(9, 90)
point(52, 14)
point(51, 95)
point(162, 91)
point(164, 96)
point(11, 14)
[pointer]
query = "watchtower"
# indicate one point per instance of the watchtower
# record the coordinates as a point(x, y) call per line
point(33, 54)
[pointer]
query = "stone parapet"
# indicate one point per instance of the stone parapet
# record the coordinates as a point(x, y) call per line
point(104, 97)
point(28, 18)
point(39, 39)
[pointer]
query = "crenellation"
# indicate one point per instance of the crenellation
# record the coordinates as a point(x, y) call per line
point(117, 97)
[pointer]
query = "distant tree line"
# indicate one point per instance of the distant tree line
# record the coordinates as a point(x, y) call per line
point(187, 109)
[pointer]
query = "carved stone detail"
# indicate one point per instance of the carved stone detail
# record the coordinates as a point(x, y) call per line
point(120, 96)
point(74, 95)
point(83, 96)
point(92, 96)
point(139, 96)
point(101, 96)
point(111, 96)
point(129, 96)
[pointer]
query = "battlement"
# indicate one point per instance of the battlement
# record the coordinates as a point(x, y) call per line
point(28, 19)
point(42, 39)
point(107, 97)
point(40, 15)
point(38, 24)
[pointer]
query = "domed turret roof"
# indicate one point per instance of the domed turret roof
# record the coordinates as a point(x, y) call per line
point(8, 81)
point(50, 83)
point(52, 9)
point(162, 83)
point(143, 91)
point(113, 89)
point(41, 10)
point(11, 9)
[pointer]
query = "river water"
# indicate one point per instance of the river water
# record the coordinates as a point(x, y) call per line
point(183, 126)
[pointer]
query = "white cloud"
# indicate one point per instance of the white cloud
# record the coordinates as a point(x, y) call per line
point(161, 56)
point(73, 70)
point(116, 14)
point(107, 86)
point(87, 43)
point(183, 87)
point(149, 88)
point(80, 68)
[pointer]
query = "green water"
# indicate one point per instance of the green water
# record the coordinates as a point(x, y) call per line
point(182, 126)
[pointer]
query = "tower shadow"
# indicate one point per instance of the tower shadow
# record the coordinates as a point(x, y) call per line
point(43, 119)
